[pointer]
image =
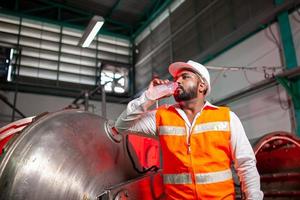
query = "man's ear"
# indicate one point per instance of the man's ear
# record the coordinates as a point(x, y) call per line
point(201, 87)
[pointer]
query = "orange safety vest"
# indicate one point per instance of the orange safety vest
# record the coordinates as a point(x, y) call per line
point(196, 165)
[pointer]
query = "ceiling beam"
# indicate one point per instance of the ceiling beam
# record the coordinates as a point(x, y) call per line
point(116, 4)
point(77, 19)
point(156, 5)
point(61, 91)
point(38, 9)
point(69, 8)
point(87, 14)
point(151, 18)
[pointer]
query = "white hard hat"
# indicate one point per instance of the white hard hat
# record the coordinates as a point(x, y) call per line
point(174, 68)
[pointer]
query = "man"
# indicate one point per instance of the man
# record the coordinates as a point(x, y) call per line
point(199, 141)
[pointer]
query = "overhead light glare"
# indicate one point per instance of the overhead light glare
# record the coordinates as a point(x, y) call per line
point(91, 31)
point(10, 67)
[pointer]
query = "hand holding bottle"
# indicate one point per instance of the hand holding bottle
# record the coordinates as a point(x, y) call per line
point(160, 88)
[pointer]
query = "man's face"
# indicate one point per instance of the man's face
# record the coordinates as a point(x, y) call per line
point(188, 83)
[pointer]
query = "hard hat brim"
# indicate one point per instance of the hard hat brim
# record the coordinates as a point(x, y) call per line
point(176, 67)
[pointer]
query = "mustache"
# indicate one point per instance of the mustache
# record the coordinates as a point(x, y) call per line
point(180, 87)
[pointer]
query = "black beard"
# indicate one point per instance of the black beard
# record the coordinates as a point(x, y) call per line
point(185, 95)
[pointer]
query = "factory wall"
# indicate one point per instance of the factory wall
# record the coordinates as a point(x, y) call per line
point(267, 110)
point(35, 104)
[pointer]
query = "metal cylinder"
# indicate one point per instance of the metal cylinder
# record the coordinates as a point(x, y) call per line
point(69, 154)
point(278, 164)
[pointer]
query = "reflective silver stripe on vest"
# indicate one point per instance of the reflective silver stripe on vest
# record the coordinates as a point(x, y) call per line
point(171, 130)
point(177, 179)
point(213, 177)
point(212, 126)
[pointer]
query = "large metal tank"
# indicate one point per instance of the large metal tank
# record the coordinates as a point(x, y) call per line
point(278, 163)
point(73, 155)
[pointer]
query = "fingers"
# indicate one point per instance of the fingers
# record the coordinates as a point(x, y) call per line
point(157, 81)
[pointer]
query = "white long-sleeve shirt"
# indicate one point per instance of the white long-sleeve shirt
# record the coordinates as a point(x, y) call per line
point(138, 118)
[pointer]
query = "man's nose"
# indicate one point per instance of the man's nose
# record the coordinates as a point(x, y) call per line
point(178, 80)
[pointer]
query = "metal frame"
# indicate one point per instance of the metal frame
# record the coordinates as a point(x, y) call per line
point(13, 107)
point(151, 18)
point(61, 91)
point(293, 88)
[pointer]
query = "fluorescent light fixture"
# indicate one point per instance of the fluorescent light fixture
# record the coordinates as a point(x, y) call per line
point(91, 31)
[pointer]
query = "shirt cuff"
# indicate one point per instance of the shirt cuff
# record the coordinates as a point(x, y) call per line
point(141, 103)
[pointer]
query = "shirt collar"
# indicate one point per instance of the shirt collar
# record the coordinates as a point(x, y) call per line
point(206, 105)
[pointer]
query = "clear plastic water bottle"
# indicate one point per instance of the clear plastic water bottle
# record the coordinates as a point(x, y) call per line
point(159, 91)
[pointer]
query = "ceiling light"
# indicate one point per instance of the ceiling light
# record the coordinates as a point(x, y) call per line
point(91, 31)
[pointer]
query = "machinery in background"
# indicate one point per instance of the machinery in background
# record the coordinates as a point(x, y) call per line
point(77, 155)
point(278, 163)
